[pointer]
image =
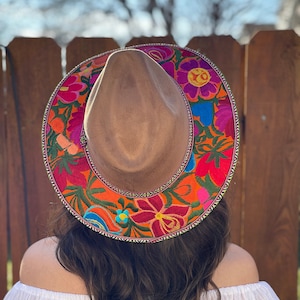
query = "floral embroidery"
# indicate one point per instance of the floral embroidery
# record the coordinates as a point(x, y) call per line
point(99, 218)
point(68, 170)
point(75, 125)
point(70, 89)
point(122, 216)
point(216, 164)
point(162, 220)
point(197, 77)
point(204, 110)
point(158, 53)
point(224, 121)
point(204, 198)
point(182, 203)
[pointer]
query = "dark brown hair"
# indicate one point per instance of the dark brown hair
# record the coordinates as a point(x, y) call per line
point(179, 268)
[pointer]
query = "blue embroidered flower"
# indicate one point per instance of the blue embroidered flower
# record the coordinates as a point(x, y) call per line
point(122, 216)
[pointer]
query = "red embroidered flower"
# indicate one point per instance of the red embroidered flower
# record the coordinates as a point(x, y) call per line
point(216, 164)
point(70, 89)
point(72, 173)
point(162, 220)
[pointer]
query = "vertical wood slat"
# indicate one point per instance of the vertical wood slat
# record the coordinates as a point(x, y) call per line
point(80, 49)
point(152, 39)
point(272, 178)
point(33, 69)
point(228, 55)
point(3, 190)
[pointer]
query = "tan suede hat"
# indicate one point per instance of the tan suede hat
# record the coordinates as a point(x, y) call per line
point(140, 143)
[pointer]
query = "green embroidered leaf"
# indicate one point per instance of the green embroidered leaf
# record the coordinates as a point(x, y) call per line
point(121, 201)
point(132, 207)
point(208, 184)
point(195, 213)
point(195, 204)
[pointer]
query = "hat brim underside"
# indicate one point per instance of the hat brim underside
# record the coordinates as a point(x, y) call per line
point(187, 200)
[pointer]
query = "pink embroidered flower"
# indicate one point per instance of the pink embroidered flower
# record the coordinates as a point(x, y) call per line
point(158, 53)
point(224, 120)
point(198, 78)
point(162, 220)
point(204, 198)
point(75, 125)
point(70, 90)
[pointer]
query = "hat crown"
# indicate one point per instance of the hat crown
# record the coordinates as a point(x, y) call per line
point(137, 124)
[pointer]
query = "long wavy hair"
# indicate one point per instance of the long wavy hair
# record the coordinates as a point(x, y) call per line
point(179, 268)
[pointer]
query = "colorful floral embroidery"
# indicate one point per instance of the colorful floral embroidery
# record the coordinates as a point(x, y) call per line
point(122, 216)
point(70, 171)
point(198, 78)
point(224, 121)
point(182, 204)
point(204, 198)
point(158, 53)
point(162, 220)
point(99, 218)
point(75, 124)
point(216, 164)
point(69, 91)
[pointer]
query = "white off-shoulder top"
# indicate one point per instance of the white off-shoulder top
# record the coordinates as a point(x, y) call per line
point(253, 291)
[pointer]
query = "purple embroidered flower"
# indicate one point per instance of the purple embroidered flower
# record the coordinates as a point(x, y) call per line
point(158, 53)
point(198, 78)
point(169, 68)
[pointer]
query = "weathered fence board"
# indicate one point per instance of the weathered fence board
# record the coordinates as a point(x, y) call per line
point(228, 55)
point(264, 194)
point(33, 70)
point(272, 178)
point(153, 39)
point(3, 191)
point(80, 49)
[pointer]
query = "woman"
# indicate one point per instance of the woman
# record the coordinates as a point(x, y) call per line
point(140, 144)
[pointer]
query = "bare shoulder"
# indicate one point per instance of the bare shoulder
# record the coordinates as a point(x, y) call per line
point(40, 268)
point(237, 268)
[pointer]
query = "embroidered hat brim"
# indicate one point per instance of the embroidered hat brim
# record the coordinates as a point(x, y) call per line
point(189, 195)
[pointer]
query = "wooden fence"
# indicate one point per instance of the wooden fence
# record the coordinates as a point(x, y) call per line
point(264, 195)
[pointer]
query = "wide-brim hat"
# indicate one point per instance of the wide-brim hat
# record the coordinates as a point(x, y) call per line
point(141, 143)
